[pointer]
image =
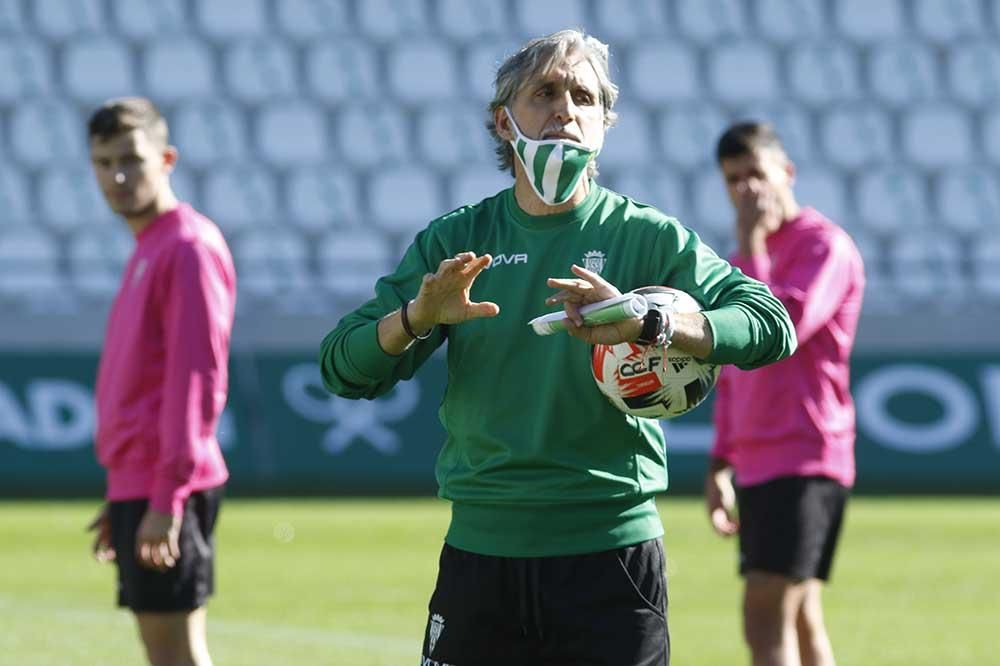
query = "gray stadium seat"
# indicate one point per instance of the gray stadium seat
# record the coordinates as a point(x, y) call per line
point(208, 132)
point(689, 132)
point(540, 18)
point(470, 186)
point(711, 21)
point(306, 20)
point(59, 19)
point(472, 20)
point(292, 133)
point(454, 136)
point(991, 136)
point(903, 74)
point(630, 141)
point(228, 19)
point(257, 70)
point(141, 20)
point(16, 206)
point(985, 264)
point(974, 73)
point(857, 135)
point(790, 21)
point(391, 20)
point(46, 131)
point(880, 296)
point(25, 69)
point(322, 198)
point(404, 199)
point(408, 65)
point(273, 265)
point(351, 260)
point(742, 72)
point(97, 260)
point(968, 199)
point(936, 136)
point(343, 71)
point(627, 21)
point(370, 136)
point(179, 69)
point(29, 272)
point(658, 187)
point(867, 21)
point(240, 196)
point(926, 268)
point(824, 73)
point(892, 199)
point(664, 73)
point(943, 21)
point(70, 198)
point(824, 190)
point(95, 69)
point(481, 64)
point(792, 123)
point(11, 17)
point(712, 211)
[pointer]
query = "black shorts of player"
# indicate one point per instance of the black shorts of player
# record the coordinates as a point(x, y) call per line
point(598, 609)
point(191, 581)
point(790, 526)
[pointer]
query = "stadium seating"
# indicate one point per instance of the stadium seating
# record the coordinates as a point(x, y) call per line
point(322, 134)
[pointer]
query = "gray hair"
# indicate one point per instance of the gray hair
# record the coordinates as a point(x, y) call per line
point(537, 58)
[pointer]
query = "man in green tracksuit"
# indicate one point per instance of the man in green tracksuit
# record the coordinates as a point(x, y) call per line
point(553, 554)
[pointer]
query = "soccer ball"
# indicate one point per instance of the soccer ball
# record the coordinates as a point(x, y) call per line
point(654, 382)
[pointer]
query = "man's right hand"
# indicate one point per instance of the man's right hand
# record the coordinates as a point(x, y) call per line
point(758, 215)
point(102, 548)
point(720, 502)
point(444, 295)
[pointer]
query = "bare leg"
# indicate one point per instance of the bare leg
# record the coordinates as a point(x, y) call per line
point(175, 639)
point(770, 608)
point(814, 643)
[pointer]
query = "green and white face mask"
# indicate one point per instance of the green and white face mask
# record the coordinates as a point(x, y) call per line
point(553, 166)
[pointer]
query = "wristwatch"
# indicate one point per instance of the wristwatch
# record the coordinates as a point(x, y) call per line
point(652, 327)
point(657, 328)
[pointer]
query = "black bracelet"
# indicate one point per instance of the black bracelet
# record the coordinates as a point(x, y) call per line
point(406, 324)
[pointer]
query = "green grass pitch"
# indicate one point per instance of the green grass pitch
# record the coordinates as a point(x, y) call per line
point(346, 582)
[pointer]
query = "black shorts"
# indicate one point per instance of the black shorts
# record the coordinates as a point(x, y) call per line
point(790, 526)
point(597, 609)
point(191, 581)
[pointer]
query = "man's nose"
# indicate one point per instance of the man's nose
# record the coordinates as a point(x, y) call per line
point(120, 177)
point(565, 109)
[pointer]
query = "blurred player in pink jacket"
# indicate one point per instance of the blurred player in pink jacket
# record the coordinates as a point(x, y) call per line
point(161, 387)
point(785, 432)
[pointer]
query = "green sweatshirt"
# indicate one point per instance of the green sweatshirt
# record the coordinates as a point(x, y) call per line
point(537, 462)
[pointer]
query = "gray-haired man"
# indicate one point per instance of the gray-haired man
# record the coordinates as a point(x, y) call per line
point(553, 555)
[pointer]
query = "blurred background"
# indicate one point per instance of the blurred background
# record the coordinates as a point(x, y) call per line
point(321, 135)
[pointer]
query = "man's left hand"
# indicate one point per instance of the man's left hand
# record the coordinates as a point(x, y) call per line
point(589, 287)
point(157, 541)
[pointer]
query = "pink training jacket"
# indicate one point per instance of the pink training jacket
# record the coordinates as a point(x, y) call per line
point(796, 417)
point(162, 380)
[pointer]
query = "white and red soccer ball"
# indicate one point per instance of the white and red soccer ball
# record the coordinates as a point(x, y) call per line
point(654, 382)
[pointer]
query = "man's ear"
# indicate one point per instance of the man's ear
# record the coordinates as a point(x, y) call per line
point(170, 156)
point(502, 122)
point(791, 171)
